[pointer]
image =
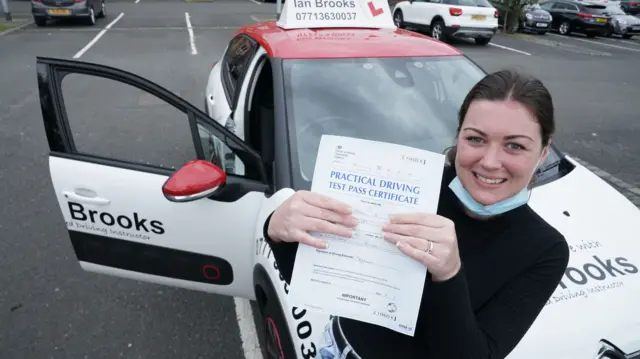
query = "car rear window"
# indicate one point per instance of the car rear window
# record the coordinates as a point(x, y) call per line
point(483, 3)
point(462, 2)
point(593, 9)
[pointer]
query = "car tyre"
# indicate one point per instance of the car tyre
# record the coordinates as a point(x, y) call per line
point(278, 342)
point(437, 30)
point(627, 36)
point(565, 28)
point(103, 10)
point(40, 21)
point(482, 40)
point(91, 20)
point(398, 19)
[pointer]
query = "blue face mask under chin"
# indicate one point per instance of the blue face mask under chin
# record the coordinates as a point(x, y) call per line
point(506, 205)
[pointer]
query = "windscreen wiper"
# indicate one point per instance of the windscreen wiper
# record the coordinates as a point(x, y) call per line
point(548, 167)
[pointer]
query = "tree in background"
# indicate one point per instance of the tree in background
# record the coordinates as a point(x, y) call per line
point(510, 12)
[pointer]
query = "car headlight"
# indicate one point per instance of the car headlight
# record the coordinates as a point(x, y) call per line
point(528, 16)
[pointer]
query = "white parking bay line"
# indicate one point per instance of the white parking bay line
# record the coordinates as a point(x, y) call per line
point(248, 333)
point(95, 39)
point(192, 40)
point(510, 49)
point(255, 2)
point(598, 43)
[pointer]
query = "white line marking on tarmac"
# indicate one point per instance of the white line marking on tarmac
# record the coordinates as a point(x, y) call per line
point(95, 39)
point(598, 43)
point(248, 333)
point(255, 2)
point(137, 1)
point(254, 18)
point(192, 40)
point(607, 176)
point(510, 49)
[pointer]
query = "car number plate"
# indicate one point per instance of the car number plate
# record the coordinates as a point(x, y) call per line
point(541, 25)
point(600, 19)
point(478, 17)
point(59, 12)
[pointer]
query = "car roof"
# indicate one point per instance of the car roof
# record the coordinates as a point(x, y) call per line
point(319, 43)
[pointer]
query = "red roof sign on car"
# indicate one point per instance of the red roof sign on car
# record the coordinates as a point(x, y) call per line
point(309, 14)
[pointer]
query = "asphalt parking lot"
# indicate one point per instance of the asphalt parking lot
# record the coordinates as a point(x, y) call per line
point(51, 309)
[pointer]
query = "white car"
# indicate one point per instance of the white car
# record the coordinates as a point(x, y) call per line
point(278, 91)
point(445, 19)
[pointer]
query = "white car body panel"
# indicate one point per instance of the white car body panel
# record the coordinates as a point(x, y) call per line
point(568, 328)
point(213, 228)
point(216, 102)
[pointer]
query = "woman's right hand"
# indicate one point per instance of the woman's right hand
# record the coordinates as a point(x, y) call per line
point(306, 212)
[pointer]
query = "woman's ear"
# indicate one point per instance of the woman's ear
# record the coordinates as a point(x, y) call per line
point(545, 152)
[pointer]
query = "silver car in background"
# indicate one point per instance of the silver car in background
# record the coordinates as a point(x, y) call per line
point(622, 23)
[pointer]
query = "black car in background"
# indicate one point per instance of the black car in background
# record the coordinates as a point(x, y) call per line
point(534, 19)
point(87, 10)
point(575, 16)
point(631, 7)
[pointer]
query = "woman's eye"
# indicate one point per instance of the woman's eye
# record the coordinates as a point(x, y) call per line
point(515, 146)
point(474, 139)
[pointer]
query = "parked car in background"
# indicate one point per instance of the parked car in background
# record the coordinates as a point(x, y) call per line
point(578, 16)
point(631, 7)
point(622, 23)
point(445, 19)
point(87, 10)
point(534, 19)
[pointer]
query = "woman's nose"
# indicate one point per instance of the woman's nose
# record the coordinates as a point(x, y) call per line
point(491, 159)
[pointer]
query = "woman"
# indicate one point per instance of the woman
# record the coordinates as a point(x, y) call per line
point(492, 261)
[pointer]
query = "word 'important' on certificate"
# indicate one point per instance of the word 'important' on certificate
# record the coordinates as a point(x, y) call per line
point(365, 277)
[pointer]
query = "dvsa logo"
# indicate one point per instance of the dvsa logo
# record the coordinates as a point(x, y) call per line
point(134, 222)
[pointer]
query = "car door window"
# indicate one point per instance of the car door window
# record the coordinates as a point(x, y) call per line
point(547, 5)
point(235, 61)
point(121, 122)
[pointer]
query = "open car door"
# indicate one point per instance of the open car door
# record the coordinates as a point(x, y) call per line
point(136, 172)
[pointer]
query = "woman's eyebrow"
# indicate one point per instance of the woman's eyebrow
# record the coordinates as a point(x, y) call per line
point(510, 137)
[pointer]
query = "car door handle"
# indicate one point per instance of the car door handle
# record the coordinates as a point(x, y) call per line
point(84, 199)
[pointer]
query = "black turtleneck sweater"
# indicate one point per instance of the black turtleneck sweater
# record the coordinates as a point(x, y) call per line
point(511, 264)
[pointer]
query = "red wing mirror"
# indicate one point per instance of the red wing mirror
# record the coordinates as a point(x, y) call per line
point(194, 180)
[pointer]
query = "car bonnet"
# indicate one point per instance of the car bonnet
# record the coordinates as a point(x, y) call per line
point(599, 295)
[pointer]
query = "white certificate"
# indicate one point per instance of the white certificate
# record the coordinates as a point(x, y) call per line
point(365, 277)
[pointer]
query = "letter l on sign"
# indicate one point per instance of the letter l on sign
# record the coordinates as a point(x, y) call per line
point(374, 11)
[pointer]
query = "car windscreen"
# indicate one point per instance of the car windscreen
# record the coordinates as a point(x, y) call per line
point(407, 101)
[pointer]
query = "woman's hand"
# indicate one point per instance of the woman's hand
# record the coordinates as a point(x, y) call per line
point(427, 238)
point(306, 212)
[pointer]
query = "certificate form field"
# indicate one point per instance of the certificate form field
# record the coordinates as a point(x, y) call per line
point(365, 277)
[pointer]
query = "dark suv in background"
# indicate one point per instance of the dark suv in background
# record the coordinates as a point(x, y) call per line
point(574, 16)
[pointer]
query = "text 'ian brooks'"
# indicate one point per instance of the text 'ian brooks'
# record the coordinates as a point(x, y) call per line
point(324, 4)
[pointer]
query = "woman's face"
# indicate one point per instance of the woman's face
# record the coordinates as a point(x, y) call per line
point(498, 149)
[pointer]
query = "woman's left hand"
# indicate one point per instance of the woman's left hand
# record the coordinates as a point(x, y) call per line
point(427, 238)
